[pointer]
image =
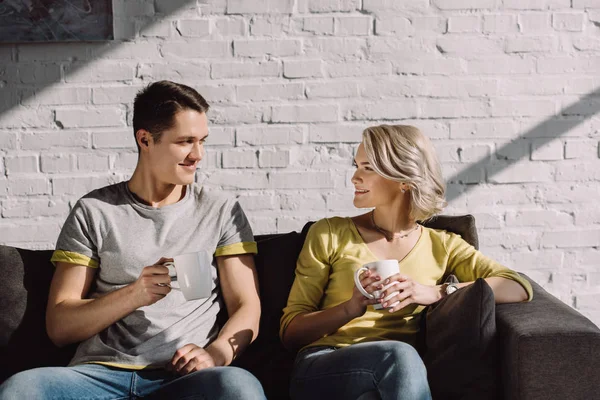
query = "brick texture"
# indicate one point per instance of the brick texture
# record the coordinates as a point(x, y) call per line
point(507, 90)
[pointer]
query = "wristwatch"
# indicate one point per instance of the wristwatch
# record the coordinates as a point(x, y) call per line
point(450, 285)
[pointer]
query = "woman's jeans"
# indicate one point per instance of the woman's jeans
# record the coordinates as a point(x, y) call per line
point(374, 370)
point(94, 381)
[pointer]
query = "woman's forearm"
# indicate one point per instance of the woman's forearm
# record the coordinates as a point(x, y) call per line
point(309, 327)
point(507, 290)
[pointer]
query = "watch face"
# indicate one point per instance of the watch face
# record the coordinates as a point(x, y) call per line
point(451, 289)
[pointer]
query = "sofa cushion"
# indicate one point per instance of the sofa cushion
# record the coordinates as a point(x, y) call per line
point(461, 350)
point(24, 287)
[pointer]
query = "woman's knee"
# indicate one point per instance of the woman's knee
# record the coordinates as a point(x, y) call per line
point(403, 355)
point(403, 370)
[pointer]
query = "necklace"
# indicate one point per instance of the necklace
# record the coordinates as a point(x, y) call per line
point(389, 236)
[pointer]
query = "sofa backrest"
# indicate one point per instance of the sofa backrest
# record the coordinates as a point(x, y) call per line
point(26, 276)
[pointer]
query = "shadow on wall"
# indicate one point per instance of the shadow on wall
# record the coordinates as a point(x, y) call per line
point(552, 128)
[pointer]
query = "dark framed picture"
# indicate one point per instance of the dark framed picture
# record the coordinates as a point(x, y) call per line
point(55, 20)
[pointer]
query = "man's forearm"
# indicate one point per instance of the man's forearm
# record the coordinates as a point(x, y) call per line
point(74, 320)
point(239, 331)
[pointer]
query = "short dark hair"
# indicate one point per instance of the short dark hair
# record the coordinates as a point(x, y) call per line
point(155, 106)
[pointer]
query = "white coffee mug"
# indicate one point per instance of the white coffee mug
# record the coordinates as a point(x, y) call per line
point(383, 268)
point(192, 274)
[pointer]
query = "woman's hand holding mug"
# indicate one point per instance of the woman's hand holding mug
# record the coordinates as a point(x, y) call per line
point(369, 283)
point(406, 291)
point(381, 269)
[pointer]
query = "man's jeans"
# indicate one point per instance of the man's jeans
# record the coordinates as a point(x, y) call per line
point(374, 370)
point(94, 381)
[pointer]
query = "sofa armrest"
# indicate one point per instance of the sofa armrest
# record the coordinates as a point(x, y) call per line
point(548, 350)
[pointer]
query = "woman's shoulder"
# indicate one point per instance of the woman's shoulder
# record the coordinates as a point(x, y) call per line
point(438, 236)
point(437, 233)
point(331, 224)
point(443, 238)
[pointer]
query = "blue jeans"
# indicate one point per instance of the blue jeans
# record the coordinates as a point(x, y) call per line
point(94, 381)
point(374, 370)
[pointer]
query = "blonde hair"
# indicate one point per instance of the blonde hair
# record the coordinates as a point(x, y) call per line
point(401, 153)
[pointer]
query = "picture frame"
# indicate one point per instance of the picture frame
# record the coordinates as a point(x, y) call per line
point(55, 20)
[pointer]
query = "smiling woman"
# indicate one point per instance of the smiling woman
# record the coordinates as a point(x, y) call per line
point(370, 349)
point(404, 155)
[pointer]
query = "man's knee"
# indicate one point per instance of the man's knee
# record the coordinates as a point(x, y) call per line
point(236, 383)
point(23, 385)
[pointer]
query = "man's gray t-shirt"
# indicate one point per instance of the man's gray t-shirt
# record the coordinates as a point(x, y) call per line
point(109, 229)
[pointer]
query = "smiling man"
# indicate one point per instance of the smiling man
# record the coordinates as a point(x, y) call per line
point(112, 293)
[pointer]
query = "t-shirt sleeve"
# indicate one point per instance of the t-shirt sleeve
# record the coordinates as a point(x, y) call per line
point(468, 264)
point(312, 274)
point(236, 233)
point(75, 244)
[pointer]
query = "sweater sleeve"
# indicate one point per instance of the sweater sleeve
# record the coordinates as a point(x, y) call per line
point(312, 274)
point(468, 264)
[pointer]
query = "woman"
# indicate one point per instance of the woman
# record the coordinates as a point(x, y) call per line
point(350, 349)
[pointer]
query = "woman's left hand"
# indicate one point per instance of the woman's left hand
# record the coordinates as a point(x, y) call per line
point(405, 291)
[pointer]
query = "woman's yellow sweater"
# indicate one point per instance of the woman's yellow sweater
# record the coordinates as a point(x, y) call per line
point(334, 250)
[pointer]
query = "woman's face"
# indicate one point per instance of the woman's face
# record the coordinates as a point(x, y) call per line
point(370, 188)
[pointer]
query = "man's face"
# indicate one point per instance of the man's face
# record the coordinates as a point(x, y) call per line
point(173, 160)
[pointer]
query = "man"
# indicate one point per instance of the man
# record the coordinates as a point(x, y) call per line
point(112, 293)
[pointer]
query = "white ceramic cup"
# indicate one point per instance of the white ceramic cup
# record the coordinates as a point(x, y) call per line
point(191, 273)
point(383, 268)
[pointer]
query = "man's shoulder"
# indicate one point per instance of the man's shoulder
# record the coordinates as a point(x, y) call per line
point(205, 197)
point(107, 195)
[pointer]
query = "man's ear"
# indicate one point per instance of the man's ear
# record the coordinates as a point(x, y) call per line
point(142, 137)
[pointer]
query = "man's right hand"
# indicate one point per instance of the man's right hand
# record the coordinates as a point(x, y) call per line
point(73, 317)
point(153, 284)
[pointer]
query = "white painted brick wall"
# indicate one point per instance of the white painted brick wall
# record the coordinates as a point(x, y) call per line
point(507, 90)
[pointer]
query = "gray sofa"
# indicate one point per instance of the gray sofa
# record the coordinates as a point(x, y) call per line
point(541, 350)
